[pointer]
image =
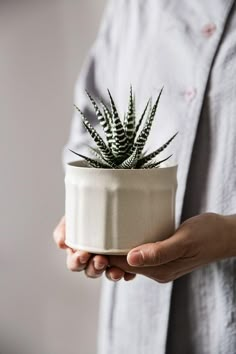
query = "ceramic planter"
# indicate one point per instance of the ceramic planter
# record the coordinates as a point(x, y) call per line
point(110, 211)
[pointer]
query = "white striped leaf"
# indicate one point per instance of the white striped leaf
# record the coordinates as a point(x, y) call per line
point(129, 121)
point(106, 153)
point(103, 119)
point(142, 118)
point(155, 164)
point(108, 117)
point(151, 156)
point(120, 142)
point(131, 161)
point(100, 158)
point(91, 162)
point(143, 136)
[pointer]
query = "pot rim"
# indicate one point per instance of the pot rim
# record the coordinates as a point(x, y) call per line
point(80, 164)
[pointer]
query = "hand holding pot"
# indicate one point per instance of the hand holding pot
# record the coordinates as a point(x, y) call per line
point(94, 265)
point(198, 241)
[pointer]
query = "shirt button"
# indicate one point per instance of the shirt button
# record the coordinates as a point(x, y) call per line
point(208, 30)
point(190, 94)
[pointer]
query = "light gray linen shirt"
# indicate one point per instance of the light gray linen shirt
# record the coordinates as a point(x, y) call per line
point(190, 48)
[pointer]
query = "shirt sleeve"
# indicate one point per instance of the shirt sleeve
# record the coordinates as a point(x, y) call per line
point(95, 77)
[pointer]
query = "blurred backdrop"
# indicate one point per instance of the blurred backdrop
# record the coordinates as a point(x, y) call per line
point(44, 308)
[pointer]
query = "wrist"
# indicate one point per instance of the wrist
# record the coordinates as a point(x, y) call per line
point(230, 225)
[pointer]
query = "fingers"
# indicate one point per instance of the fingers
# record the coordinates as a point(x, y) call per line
point(77, 260)
point(100, 264)
point(59, 234)
point(96, 266)
point(119, 269)
point(152, 254)
point(115, 274)
point(129, 276)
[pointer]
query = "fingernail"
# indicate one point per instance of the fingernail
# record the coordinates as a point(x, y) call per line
point(82, 259)
point(135, 258)
point(114, 278)
point(99, 266)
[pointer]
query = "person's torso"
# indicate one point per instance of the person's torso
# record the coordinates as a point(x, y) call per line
point(176, 45)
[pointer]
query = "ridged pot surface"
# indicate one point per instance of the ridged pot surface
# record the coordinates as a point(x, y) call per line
point(110, 211)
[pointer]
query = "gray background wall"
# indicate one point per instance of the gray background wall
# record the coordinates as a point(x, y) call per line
point(44, 309)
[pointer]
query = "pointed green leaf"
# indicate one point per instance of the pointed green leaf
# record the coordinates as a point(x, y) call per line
point(143, 136)
point(120, 142)
point(142, 118)
point(91, 162)
point(129, 121)
point(131, 161)
point(102, 118)
point(106, 108)
point(155, 164)
point(107, 154)
point(100, 158)
point(108, 117)
point(150, 156)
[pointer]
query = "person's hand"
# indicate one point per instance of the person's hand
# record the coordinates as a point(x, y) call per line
point(93, 265)
point(198, 241)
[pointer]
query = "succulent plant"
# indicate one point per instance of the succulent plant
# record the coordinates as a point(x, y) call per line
point(125, 141)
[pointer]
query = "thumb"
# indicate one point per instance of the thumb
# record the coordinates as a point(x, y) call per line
point(152, 254)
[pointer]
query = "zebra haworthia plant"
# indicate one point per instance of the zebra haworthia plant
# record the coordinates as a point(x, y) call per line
point(125, 141)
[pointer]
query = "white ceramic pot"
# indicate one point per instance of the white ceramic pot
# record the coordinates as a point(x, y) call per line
point(110, 211)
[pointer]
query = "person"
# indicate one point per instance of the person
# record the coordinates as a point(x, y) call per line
point(183, 300)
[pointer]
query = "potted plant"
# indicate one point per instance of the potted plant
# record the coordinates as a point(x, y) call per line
point(122, 197)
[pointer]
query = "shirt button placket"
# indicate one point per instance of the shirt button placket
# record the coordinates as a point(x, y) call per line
point(207, 31)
